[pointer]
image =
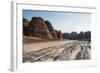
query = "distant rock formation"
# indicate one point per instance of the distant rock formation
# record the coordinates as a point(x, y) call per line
point(59, 34)
point(86, 36)
point(38, 27)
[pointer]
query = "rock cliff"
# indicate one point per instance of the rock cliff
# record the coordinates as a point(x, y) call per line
point(38, 27)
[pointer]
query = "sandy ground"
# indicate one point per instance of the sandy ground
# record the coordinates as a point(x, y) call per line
point(30, 47)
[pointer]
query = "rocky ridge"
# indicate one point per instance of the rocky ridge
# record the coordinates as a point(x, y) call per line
point(38, 27)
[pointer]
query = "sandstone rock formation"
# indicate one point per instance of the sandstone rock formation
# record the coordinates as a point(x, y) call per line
point(76, 50)
point(38, 27)
point(51, 29)
point(26, 27)
point(59, 34)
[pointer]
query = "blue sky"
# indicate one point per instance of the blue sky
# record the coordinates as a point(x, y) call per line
point(64, 21)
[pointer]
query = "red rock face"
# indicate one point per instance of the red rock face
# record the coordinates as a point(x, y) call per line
point(59, 35)
point(38, 27)
point(25, 22)
point(51, 29)
point(26, 27)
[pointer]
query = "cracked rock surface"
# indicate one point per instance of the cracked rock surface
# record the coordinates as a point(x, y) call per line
point(70, 51)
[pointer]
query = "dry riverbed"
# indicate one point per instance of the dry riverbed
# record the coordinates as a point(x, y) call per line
point(56, 51)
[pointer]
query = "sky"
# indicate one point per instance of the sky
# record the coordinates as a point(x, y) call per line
point(64, 21)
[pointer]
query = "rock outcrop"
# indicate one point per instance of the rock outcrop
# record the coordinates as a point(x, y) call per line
point(38, 27)
point(51, 29)
point(59, 35)
point(77, 50)
point(26, 27)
